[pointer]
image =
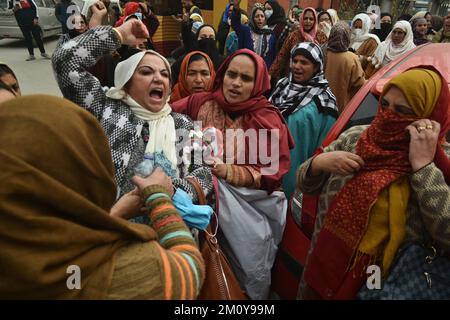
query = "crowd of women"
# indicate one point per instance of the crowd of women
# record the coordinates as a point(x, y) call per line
point(111, 178)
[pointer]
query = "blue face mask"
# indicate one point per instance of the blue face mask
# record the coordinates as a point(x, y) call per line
point(268, 13)
point(195, 216)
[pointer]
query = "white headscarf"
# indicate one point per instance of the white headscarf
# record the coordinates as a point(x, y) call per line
point(356, 40)
point(161, 125)
point(420, 14)
point(334, 15)
point(373, 18)
point(388, 51)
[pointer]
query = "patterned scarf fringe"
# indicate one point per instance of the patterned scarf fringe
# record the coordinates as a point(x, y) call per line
point(373, 260)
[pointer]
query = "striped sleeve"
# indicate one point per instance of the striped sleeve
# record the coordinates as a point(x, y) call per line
point(243, 176)
point(182, 263)
point(433, 195)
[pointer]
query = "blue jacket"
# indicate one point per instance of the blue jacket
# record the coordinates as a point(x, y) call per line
point(62, 15)
point(245, 39)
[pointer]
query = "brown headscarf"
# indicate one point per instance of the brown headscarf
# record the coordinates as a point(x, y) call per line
point(339, 39)
point(56, 189)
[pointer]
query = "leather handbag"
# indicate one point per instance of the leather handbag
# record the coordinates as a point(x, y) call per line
point(419, 273)
point(220, 282)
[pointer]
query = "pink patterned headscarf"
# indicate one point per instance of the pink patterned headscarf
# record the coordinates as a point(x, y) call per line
point(309, 36)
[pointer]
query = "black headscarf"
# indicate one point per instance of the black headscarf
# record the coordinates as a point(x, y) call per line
point(385, 28)
point(278, 15)
point(209, 46)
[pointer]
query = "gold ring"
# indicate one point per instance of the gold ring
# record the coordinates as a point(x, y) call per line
point(429, 126)
point(420, 128)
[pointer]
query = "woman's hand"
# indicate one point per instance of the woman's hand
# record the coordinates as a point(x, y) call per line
point(98, 12)
point(133, 32)
point(424, 135)
point(336, 162)
point(99, 9)
point(220, 170)
point(130, 205)
point(158, 177)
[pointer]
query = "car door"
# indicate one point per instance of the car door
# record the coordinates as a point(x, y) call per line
point(50, 12)
point(42, 14)
point(45, 15)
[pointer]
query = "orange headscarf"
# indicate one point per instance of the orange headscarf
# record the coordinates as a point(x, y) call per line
point(180, 90)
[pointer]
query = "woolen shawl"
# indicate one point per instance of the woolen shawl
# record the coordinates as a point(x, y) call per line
point(56, 190)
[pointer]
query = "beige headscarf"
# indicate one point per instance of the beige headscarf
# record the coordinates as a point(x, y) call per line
point(334, 15)
point(161, 124)
point(420, 14)
point(388, 51)
point(359, 37)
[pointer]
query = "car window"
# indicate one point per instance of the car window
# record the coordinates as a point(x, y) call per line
point(365, 112)
point(39, 3)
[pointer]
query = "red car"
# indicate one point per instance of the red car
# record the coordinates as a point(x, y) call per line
point(360, 110)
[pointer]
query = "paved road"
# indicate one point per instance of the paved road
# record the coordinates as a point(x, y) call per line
point(34, 76)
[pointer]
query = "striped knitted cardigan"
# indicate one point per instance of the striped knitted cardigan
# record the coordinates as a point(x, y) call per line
point(170, 268)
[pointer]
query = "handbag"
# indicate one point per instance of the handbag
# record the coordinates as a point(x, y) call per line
point(418, 273)
point(220, 282)
point(252, 224)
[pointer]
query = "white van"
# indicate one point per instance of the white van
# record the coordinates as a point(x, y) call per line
point(47, 19)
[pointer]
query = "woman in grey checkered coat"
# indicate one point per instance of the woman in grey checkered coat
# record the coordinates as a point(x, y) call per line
point(134, 114)
point(308, 105)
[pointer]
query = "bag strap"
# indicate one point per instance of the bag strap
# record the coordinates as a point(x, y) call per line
point(216, 191)
point(200, 194)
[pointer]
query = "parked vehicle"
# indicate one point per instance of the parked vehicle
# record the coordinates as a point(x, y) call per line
point(360, 110)
point(47, 19)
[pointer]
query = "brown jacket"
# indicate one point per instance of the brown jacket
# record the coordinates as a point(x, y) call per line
point(366, 50)
point(345, 76)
